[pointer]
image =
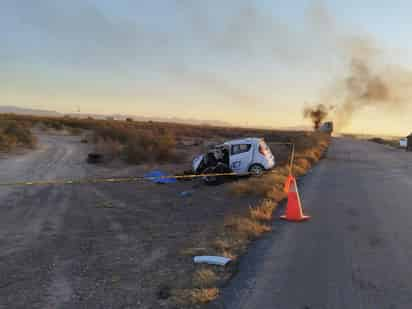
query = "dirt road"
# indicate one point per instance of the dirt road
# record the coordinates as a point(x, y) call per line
point(101, 245)
point(356, 250)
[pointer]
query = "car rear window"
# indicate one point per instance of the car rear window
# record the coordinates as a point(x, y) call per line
point(240, 148)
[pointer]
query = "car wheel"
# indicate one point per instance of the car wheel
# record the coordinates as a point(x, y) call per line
point(210, 180)
point(256, 170)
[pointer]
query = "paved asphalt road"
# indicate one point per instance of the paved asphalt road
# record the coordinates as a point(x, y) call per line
point(355, 252)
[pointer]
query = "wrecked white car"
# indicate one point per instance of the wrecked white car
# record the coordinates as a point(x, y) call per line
point(249, 156)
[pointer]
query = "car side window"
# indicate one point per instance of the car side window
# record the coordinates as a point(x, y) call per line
point(240, 148)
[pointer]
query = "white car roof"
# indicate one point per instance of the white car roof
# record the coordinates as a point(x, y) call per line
point(248, 140)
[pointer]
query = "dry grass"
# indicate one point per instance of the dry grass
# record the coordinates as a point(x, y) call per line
point(268, 186)
point(301, 166)
point(239, 230)
point(264, 211)
point(204, 295)
point(245, 228)
point(204, 278)
point(13, 134)
point(188, 297)
point(223, 246)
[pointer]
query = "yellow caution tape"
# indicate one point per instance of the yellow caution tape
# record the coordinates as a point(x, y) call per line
point(130, 179)
point(107, 180)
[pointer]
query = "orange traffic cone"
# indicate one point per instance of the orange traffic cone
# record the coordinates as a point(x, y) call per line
point(287, 183)
point(294, 208)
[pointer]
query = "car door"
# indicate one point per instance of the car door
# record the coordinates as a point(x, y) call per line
point(240, 157)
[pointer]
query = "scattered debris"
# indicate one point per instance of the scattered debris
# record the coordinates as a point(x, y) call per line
point(94, 158)
point(212, 260)
point(186, 193)
point(157, 177)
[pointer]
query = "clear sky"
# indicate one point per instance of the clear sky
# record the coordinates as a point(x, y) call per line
point(254, 62)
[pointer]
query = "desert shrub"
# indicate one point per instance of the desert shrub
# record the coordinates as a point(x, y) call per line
point(13, 133)
point(55, 124)
point(22, 134)
point(377, 140)
point(135, 136)
point(75, 131)
point(135, 153)
point(7, 142)
point(390, 141)
point(149, 147)
point(110, 148)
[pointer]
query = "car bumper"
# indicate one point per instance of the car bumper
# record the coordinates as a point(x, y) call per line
point(270, 164)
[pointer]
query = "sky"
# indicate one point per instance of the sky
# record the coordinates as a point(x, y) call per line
point(255, 63)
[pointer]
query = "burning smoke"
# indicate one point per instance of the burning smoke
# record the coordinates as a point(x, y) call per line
point(363, 86)
point(368, 83)
point(317, 114)
point(368, 80)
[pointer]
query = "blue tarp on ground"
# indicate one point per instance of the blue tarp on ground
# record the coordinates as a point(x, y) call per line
point(156, 177)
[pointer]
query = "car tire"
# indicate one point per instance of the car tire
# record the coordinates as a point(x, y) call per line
point(256, 170)
point(210, 180)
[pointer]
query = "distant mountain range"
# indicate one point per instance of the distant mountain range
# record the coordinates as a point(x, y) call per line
point(27, 111)
point(48, 113)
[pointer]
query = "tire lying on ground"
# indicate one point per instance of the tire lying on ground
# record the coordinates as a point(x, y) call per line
point(94, 158)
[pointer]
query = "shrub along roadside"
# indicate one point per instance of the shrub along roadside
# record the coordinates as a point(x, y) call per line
point(135, 142)
point(143, 141)
point(14, 134)
point(239, 230)
point(138, 146)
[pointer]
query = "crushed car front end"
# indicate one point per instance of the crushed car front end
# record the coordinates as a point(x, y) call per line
point(197, 164)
